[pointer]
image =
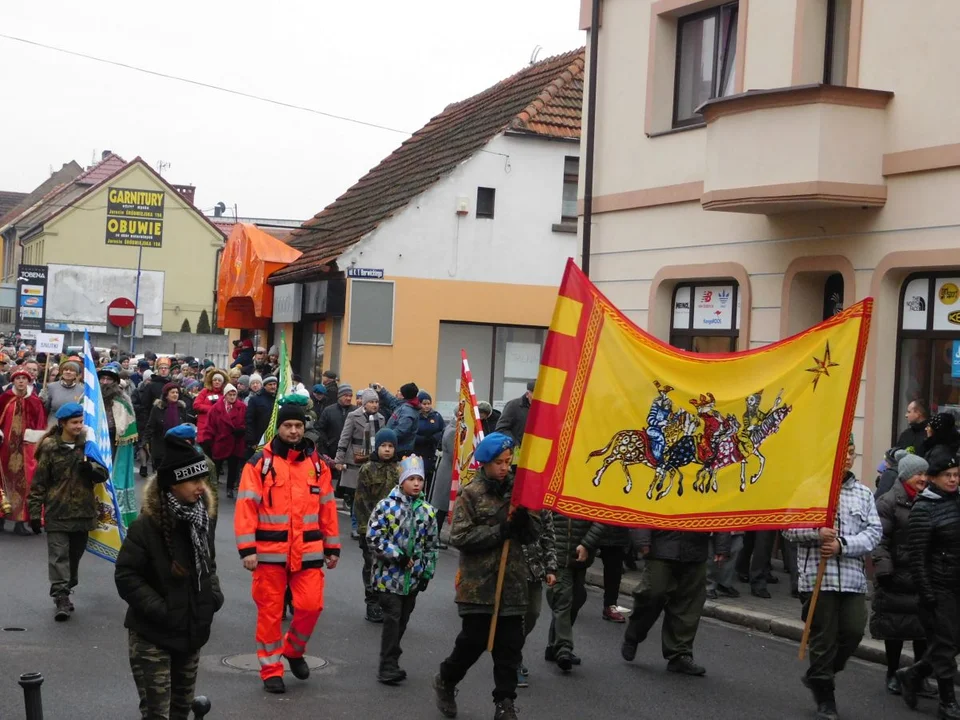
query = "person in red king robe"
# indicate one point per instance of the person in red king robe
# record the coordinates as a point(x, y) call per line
point(23, 421)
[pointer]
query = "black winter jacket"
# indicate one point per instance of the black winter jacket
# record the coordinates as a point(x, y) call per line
point(896, 613)
point(330, 427)
point(914, 436)
point(259, 410)
point(149, 392)
point(692, 547)
point(569, 533)
point(934, 537)
point(155, 430)
point(513, 421)
point(171, 612)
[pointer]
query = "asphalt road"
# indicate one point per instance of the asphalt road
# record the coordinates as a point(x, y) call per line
point(87, 675)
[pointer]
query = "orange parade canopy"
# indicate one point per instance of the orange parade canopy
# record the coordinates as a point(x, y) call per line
point(244, 299)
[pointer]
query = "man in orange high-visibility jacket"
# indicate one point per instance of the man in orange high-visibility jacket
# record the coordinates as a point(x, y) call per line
point(286, 526)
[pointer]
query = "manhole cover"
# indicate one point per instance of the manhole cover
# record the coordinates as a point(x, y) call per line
point(250, 662)
point(14, 629)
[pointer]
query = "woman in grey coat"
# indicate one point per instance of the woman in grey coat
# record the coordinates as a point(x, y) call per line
point(442, 479)
point(356, 441)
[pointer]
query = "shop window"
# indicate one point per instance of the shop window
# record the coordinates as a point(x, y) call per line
point(371, 312)
point(706, 316)
point(928, 345)
point(486, 200)
point(503, 359)
point(706, 61)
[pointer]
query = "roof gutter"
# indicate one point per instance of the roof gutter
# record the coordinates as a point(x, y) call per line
point(591, 134)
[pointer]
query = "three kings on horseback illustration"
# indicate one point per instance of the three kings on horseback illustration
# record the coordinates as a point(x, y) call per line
point(676, 438)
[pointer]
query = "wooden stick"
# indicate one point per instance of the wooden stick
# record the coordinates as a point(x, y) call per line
point(813, 607)
point(496, 598)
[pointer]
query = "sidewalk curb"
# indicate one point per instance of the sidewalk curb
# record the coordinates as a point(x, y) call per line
point(779, 626)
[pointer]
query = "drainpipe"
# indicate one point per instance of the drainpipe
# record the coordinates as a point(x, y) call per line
point(216, 284)
point(591, 133)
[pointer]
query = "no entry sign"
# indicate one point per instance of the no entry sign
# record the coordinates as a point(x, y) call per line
point(121, 312)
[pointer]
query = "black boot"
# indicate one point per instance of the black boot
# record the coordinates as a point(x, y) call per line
point(823, 696)
point(505, 710)
point(948, 710)
point(911, 679)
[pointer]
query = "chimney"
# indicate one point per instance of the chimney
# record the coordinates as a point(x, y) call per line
point(187, 191)
point(105, 154)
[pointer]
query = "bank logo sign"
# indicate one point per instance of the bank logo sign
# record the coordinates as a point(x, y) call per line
point(134, 217)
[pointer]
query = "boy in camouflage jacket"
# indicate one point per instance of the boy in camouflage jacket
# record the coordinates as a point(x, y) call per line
point(403, 536)
point(63, 490)
point(377, 478)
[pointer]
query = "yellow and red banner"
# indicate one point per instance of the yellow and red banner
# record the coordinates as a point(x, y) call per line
point(469, 432)
point(627, 430)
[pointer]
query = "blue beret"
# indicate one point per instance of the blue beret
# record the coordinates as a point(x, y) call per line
point(184, 430)
point(70, 410)
point(320, 389)
point(491, 447)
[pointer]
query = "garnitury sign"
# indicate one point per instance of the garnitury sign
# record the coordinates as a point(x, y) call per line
point(135, 217)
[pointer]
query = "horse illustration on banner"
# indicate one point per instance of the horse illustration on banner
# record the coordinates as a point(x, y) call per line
point(674, 439)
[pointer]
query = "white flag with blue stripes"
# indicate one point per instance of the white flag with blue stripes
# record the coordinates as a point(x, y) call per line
point(104, 540)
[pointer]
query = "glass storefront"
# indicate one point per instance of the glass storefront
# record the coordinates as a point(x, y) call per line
point(928, 345)
point(706, 316)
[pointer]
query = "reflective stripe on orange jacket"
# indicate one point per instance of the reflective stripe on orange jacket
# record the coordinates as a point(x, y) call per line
point(285, 511)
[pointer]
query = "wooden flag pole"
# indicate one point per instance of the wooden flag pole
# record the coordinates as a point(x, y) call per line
point(496, 598)
point(813, 607)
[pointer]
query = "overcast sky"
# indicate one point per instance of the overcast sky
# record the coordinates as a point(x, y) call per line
point(391, 63)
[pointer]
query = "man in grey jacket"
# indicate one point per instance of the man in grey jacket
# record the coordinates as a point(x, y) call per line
point(513, 421)
point(674, 581)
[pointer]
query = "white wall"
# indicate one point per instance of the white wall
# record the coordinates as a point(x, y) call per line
point(428, 239)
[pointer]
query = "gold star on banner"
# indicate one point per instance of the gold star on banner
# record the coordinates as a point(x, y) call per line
point(822, 367)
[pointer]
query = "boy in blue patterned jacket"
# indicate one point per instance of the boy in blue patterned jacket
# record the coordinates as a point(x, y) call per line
point(403, 536)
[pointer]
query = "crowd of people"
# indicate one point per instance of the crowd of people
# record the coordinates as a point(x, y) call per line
point(388, 458)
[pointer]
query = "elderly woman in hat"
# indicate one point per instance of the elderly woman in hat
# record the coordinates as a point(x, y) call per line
point(22, 423)
point(934, 556)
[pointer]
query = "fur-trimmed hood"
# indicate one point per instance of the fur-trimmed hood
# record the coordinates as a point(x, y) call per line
point(151, 499)
point(159, 403)
point(208, 377)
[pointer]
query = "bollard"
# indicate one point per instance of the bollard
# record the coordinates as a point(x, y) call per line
point(31, 682)
point(201, 706)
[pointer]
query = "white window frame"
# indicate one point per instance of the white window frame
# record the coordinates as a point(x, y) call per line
point(393, 313)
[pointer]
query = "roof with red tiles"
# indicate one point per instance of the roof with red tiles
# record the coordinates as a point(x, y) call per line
point(543, 100)
point(9, 200)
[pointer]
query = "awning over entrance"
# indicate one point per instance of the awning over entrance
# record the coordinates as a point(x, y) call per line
point(244, 299)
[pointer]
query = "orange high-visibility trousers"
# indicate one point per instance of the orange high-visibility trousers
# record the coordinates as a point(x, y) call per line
point(269, 585)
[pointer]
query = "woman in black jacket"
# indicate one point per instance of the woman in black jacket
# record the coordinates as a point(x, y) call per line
point(896, 612)
point(167, 575)
point(941, 432)
point(934, 540)
point(166, 413)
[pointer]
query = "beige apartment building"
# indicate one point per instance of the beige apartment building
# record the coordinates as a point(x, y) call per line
point(761, 163)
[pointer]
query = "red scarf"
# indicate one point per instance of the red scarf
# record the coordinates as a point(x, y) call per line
point(911, 491)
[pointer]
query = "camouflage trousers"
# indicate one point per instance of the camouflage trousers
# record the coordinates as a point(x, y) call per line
point(165, 681)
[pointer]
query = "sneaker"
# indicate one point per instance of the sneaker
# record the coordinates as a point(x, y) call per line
point(564, 660)
point(391, 675)
point(728, 592)
point(628, 650)
point(761, 593)
point(893, 685)
point(611, 614)
point(374, 613)
point(524, 670)
point(522, 681)
point(274, 685)
point(684, 665)
point(299, 667)
point(446, 697)
point(712, 595)
point(62, 612)
point(505, 710)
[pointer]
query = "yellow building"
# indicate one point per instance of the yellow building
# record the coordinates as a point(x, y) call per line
point(89, 231)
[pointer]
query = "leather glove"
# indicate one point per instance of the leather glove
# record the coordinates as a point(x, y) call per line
point(422, 585)
point(36, 526)
point(520, 524)
point(87, 470)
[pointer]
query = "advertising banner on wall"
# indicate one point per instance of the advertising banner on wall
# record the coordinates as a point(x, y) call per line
point(135, 217)
point(31, 299)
